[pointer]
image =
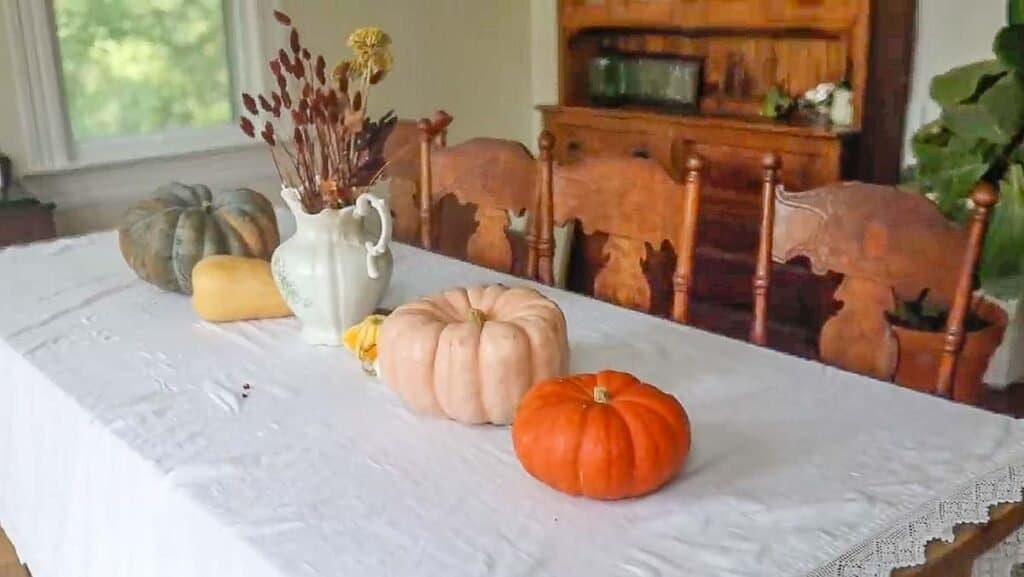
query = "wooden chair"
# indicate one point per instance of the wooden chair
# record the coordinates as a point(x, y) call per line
point(498, 177)
point(890, 244)
point(636, 203)
point(402, 153)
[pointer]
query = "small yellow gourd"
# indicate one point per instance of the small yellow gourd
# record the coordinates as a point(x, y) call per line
point(361, 339)
point(233, 288)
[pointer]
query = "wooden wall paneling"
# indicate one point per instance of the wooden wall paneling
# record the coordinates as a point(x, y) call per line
point(859, 38)
point(893, 31)
point(796, 12)
point(644, 12)
point(734, 13)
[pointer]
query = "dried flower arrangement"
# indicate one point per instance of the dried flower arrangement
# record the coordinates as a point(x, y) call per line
point(335, 149)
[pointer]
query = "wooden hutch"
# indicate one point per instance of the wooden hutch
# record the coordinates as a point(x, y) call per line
point(748, 47)
point(792, 44)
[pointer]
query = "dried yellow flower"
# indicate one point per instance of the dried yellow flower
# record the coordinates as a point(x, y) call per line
point(372, 49)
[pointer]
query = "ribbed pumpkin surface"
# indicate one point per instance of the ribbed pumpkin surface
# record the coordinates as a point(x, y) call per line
point(604, 436)
point(164, 237)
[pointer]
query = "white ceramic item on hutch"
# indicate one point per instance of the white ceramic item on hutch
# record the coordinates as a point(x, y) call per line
point(841, 113)
point(330, 274)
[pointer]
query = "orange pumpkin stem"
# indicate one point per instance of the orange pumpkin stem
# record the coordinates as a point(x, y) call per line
point(477, 316)
point(601, 395)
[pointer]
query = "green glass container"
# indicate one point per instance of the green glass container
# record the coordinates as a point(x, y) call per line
point(661, 81)
point(606, 79)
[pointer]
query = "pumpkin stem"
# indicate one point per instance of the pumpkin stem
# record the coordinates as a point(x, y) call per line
point(601, 395)
point(477, 316)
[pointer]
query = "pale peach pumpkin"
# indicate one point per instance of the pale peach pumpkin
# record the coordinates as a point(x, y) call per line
point(470, 354)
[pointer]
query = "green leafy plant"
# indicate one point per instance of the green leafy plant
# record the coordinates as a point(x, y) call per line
point(777, 104)
point(921, 314)
point(980, 136)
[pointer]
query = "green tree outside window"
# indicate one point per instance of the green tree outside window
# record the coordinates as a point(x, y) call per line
point(136, 67)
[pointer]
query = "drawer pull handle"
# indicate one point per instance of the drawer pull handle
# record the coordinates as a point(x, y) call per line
point(641, 153)
point(574, 146)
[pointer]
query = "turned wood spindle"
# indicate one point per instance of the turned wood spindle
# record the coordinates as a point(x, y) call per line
point(439, 127)
point(540, 265)
point(682, 280)
point(762, 275)
point(427, 136)
point(985, 196)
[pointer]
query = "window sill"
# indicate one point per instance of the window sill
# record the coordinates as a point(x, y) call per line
point(239, 144)
point(95, 197)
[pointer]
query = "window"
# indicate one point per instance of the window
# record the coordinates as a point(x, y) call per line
point(132, 68)
point(102, 81)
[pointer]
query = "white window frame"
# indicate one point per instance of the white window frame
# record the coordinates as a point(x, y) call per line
point(252, 34)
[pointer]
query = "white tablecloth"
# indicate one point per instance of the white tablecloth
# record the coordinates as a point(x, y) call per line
point(126, 449)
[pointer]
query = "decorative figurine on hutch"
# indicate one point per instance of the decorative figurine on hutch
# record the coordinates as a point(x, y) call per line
point(841, 112)
point(330, 273)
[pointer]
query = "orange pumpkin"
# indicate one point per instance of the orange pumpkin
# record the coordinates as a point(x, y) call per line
point(605, 436)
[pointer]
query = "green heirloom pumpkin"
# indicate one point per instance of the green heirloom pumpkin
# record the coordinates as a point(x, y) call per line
point(164, 237)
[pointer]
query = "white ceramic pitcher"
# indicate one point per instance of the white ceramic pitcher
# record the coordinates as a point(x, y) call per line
point(330, 274)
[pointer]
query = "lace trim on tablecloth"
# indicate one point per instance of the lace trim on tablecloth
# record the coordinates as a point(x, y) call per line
point(904, 544)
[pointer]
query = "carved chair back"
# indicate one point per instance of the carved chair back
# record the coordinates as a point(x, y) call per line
point(637, 204)
point(890, 244)
point(496, 176)
point(402, 153)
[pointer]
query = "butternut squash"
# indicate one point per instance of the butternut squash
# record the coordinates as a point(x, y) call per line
point(233, 288)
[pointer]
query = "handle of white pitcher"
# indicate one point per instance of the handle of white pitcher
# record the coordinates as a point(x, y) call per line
point(374, 250)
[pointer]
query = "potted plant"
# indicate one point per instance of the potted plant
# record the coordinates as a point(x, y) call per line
point(328, 153)
point(978, 137)
point(919, 326)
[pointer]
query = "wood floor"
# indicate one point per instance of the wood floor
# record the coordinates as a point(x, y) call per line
point(1009, 402)
point(9, 564)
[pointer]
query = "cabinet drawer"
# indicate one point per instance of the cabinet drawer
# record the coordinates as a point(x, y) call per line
point(574, 142)
point(739, 169)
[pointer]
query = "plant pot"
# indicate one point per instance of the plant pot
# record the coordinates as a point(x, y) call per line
point(920, 352)
point(1007, 366)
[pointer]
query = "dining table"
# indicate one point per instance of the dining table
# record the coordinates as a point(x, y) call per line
point(137, 440)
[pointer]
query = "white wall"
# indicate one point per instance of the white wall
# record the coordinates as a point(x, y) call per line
point(11, 142)
point(949, 33)
point(543, 56)
point(470, 57)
